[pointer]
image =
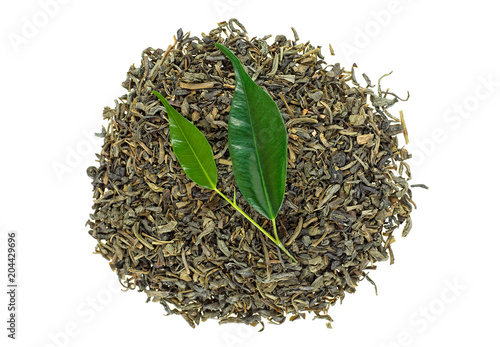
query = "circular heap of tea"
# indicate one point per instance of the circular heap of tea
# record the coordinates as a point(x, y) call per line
point(346, 189)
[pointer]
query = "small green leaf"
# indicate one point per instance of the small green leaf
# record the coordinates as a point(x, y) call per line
point(257, 143)
point(191, 148)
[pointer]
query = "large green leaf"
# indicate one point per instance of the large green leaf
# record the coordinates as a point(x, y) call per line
point(191, 148)
point(257, 143)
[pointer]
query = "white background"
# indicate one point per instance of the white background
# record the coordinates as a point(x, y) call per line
point(57, 78)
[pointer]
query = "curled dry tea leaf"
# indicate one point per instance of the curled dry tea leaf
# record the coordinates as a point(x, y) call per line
point(191, 148)
point(257, 143)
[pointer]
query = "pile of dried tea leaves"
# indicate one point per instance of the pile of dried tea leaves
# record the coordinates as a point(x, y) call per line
point(346, 191)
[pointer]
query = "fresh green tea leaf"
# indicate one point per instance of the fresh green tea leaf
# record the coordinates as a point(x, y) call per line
point(257, 143)
point(191, 148)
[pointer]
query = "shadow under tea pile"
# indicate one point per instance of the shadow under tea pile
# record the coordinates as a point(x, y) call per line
point(186, 247)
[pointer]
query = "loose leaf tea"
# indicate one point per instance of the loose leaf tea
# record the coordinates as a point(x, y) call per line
point(187, 247)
